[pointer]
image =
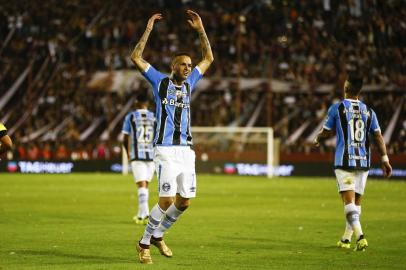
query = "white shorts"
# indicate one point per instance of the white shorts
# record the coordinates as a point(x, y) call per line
point(142, 170)
point(351, 180)
point(175, 167)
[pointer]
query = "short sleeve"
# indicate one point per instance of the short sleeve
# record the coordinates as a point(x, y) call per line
point(194, 77)
point(330, 122)
point(153, 76)
point(374, 123)
point(126, 125)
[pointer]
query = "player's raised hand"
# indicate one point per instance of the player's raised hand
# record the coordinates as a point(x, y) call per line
point(386, 169)
point(151, 21)
point(194, 20)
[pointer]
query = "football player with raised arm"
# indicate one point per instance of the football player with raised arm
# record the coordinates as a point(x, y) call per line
point(173, 157)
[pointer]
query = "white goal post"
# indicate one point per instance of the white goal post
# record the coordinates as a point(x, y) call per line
point(237, 139)
point(243, 138)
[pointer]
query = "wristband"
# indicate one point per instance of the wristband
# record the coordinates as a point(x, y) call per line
point(385, 158)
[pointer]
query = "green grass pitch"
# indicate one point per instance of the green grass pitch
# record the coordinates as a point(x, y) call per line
point(84, 221)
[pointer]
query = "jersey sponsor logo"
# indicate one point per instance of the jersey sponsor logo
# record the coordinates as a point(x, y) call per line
point(355, 157)
point(173, 102)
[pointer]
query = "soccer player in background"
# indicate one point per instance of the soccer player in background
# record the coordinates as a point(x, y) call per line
point(138, 130)
point(174, 159)
point(354, 123)
point(5, 141)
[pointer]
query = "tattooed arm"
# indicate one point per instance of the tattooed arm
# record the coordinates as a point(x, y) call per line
point(196, 22)
point(136, 55)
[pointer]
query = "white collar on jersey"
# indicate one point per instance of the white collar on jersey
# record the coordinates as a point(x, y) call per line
point(350, 99)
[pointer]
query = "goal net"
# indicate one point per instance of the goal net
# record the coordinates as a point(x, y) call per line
point(249, 150)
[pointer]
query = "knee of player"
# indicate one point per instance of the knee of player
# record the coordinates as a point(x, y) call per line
point(165, 202)
point(142, 184)
point(182, 205)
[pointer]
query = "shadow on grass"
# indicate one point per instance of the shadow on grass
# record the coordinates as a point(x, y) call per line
point(271, 243)
point(90, 258)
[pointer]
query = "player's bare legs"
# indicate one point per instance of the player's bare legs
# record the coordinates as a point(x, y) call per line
point(142, 184)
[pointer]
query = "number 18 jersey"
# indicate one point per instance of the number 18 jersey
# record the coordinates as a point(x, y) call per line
point(353, 122)
point(140, 125)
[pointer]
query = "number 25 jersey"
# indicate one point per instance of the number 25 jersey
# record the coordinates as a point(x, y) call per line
point(139, 125)
point(353, 122)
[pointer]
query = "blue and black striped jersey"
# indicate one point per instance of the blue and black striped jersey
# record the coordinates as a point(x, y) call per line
point(172, 107)
point(353, 122)
point(139, 125)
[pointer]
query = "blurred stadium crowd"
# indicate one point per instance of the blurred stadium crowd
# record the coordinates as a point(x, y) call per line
point(48, 56)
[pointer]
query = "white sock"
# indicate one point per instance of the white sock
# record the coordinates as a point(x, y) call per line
point(155, 218)
point(170, 217)
point(348, 228)
point(352, 216)
point(348, 232)
point(143, 208)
